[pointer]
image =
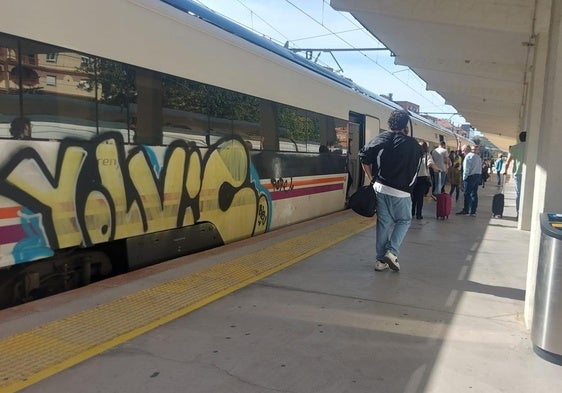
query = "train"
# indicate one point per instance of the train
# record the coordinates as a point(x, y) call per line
point(161, 129)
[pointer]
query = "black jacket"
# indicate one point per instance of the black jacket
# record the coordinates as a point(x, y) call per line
point(394, 158)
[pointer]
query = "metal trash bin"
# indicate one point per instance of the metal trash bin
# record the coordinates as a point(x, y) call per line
point(546, 329)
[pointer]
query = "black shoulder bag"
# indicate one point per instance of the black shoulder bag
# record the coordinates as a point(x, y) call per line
point(364, 201)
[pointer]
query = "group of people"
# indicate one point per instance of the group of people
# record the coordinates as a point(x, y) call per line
point(439, 167)
point(400, 168)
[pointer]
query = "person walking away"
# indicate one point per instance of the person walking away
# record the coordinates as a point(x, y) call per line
point(423, 183)
point(499, 167)
point(472, 172)
point(441, 159)
point(517, 155)
point(392, 159)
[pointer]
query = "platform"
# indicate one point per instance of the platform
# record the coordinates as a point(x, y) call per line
point(297, 310)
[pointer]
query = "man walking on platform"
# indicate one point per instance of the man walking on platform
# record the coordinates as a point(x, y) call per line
point(471, 178)
point(392, 159)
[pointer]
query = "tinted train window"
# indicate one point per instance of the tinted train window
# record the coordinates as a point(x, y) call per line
point(306, 131)
point(342, 140)
point(57, 90)
point(247, 112)
point(114, 86)
point(293, 127)
point(203, 114)
point(72, 94)
point(10, 105)
point(184, 111)
point(318, 126)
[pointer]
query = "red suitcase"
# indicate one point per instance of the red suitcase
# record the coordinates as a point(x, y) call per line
point(443, 205)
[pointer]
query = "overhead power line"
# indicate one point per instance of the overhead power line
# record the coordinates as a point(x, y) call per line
point(333, 49)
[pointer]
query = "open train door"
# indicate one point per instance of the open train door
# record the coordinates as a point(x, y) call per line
point(361, 129)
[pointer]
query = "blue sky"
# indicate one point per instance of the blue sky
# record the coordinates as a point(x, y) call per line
point(314, 24)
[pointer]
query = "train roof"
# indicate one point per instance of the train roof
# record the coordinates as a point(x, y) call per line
point(223, 23)
point(227, 25)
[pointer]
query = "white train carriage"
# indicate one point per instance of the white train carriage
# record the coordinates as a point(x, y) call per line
point(162, 133)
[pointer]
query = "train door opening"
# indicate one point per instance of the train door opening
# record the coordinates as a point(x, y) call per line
point(361, 129)
point(355, 141)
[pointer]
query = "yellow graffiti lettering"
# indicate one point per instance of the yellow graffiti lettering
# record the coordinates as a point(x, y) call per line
point(193, 182)
point(97, 217)
point(161, 211)
point(192, 185)
point(227, 167)
point(127, 223)
point(59, 197)
point(116, 197)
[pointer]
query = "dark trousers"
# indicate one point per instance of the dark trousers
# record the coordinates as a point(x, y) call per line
point(417, 195)
point(471, 185)
point(454, 188)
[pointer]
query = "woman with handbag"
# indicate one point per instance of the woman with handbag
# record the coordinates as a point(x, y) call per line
point(423, 183)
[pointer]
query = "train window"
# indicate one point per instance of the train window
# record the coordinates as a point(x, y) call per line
point(293, 127)
point(247, 114)
point(9, 84)
point(318, 129)
point(76, 95)
point(327, 131)
point(342, 135)
point(231, 113)
point(62, 94)
point(184, 111)
point(114, 87)
point(50, 94)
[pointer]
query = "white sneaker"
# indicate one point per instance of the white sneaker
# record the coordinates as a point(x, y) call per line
point(380, 266)
point(392, 261)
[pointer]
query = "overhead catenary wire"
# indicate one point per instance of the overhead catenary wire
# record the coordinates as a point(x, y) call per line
point(338, 35)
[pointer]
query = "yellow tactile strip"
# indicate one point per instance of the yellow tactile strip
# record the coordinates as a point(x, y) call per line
point(31, 356)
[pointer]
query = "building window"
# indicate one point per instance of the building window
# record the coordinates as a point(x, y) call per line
point(51, 80)
point(52, 57)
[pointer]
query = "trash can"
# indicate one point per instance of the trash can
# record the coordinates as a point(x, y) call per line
point(546, 328)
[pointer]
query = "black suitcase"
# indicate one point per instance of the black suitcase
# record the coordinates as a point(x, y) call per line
point(497, 205)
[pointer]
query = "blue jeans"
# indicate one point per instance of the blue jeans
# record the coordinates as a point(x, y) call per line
point(517, 190)
point(470, 186)
point(394, 216)
point(439, 179)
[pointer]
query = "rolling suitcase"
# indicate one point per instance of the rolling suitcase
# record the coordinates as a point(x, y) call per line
point(497, 205)
point(443, 205)
point(498, 202)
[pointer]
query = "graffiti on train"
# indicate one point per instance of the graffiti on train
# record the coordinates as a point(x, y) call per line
point(281, 184)
point(84, 193)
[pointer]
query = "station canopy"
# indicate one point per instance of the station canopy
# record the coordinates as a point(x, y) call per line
point(475, 53)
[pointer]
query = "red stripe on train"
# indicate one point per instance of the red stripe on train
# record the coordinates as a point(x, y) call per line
point(11, 234)
point(282, 194)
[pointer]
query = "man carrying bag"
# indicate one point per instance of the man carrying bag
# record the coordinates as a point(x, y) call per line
point(392, 160)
